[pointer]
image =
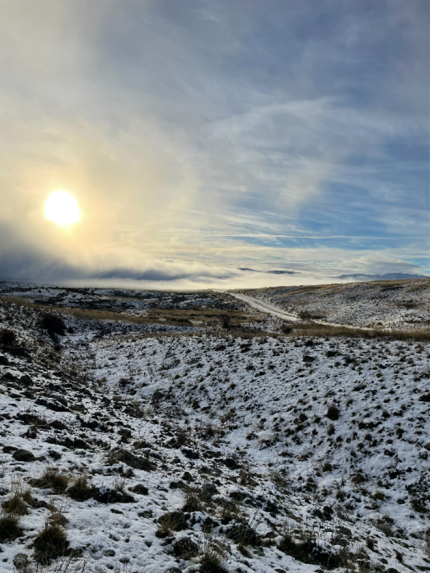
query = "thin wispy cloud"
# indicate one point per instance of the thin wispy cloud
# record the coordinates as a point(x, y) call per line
point(214, 136)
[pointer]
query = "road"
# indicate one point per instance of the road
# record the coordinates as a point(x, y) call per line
point(274, 310)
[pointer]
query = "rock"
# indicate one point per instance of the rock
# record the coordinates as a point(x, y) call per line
point(308, 358)
point(423, 398)
point(109, 553)
point(52, 404)
point(112, 495)
point(185, 548)
point(23, 456)
point(8, 377)
point(157, 396)
point(146, 514)
point(231, 464)
point(4, 360)
point(54, 455)
point(40, 503)
point(208, 491)
point(135, 462)
point(190, 454)
point(178, 485)
point(345, 531)
point(21, 561)
point(25, 380)
point(139, 489)
point(9, 449)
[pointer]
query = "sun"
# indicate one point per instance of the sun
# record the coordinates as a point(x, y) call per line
point(62, 208)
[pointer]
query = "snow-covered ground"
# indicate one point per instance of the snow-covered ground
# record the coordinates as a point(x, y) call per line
point(272, 453)
point(394, 304)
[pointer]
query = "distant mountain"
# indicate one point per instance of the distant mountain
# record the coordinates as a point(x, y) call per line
point(386, 277)
point(274, 272)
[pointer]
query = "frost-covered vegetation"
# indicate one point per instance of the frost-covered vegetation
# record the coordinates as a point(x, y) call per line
point(214, 449)
point(394, 304)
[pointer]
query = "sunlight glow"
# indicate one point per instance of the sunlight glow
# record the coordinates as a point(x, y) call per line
point(62, 208)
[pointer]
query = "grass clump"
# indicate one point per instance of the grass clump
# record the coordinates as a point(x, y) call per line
point(308, 551)
point(171, 521)
point(53, 479)
point(211, 563)
point(9, 528)
point(20, 499)
point(15, 505)
point(81, 490)
point(50, 543)
point(192, 503)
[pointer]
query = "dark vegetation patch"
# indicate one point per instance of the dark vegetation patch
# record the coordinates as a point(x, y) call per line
point(9, 528)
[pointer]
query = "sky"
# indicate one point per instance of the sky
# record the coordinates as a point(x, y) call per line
point(203, 137)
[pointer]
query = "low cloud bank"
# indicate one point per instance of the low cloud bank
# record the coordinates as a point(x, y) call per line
point(28, 266)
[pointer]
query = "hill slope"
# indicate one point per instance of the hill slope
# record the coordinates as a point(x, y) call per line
point(268, 454)
point(397, 304)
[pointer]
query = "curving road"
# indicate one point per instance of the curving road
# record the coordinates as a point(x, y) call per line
point(272, 309)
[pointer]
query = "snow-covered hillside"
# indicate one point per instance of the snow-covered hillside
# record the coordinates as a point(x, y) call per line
point(209, 452)
point(401, 304)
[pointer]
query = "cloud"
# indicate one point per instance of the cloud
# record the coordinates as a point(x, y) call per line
point(232, 135)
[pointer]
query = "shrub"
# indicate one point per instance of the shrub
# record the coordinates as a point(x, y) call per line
point(16, 505)
point(333, 413)
point(211, 563)
point(9, 528)
point(54, 324)
point(309, 552)
point(52, 479)
point(7, 337)
point(418, 505)
point(50, 544)
point(243, 534)
point(81, 490)
point(192, 503)
point(185, 548)
point(171, 521)
point(302, 551)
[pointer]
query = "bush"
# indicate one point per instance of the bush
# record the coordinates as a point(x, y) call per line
point(172, 521)
point(192, 503)
point(333, 413)
point(54, 324)
point(243, 534)
point(302, 551)
point(18, 503)
point(9, 528)
point(52, 479)
point(211, 563)
point(7, 337)
point(309, 552)
point(81, 490)
point(50, 544)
